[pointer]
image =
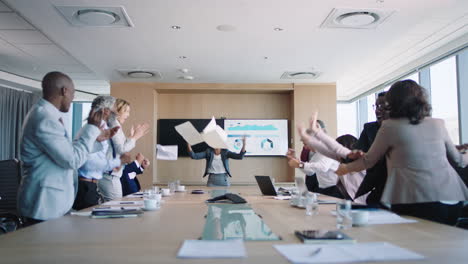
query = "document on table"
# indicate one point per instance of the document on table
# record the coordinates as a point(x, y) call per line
point(382, 217)
point(124, 203)
point(166, 152)
point(189, 133)
point(212, 249)
point(337, 253)
point(387, 217)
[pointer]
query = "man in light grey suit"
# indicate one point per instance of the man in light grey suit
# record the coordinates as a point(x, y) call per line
point(48, 186)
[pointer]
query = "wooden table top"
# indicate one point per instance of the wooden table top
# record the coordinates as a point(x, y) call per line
point(157, 235)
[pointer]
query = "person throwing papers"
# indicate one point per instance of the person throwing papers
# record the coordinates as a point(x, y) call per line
point(217, 164)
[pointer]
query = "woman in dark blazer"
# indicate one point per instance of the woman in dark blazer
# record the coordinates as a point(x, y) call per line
point(217, 164)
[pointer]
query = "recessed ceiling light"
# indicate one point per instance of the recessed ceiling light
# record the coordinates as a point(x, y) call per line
point(97, 17)
point(184, 70)
point(226, 28)
point(357, 19)
point(352, 18)
point(140, 74)
point(182, 57)
point(278, 29)
point(176, 27)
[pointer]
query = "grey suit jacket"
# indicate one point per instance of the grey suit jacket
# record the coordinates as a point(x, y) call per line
point(50, 159)
point(417, 164)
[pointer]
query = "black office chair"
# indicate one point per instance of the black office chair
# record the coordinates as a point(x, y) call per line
point(10, 177)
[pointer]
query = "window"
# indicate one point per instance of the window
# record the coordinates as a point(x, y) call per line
point(414, 77)
point(347, 119)
point(444, 95)
point(370, 108)
point(79, 112)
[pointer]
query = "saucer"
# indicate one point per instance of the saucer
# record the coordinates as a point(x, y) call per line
point(152, 209)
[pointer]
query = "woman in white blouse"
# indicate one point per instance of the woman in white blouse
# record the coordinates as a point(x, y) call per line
point(110, 185)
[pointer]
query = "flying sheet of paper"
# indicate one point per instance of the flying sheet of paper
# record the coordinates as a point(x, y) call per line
point(189, 133)
point(166, 152)
point(216, 138)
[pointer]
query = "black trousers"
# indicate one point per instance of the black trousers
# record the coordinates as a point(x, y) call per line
point(434, 211)
point(87, 195)
point(313, 186)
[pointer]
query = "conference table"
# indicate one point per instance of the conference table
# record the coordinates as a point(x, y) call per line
point(156, 236)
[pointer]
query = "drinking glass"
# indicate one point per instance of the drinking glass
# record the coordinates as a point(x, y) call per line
point(343, 214)
point(311, 204)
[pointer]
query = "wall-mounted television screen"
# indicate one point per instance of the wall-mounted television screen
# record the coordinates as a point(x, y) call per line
point(265, 137)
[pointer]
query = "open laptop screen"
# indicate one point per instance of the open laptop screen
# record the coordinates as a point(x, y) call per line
point(265, 185)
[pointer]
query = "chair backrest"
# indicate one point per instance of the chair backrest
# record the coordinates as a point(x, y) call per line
point(10, 177)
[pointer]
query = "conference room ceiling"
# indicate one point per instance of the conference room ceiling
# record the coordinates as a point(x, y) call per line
point(213, 41)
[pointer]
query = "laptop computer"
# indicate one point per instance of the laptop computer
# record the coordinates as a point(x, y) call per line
point(266, 185)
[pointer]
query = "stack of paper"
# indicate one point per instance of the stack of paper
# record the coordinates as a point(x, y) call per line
point(213, 134)
point(336, 253)
point(212, 249)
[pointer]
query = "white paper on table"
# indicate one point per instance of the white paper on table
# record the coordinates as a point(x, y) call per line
point(80, 213)
point(166, 152)
point(387, 217)
point(382, 217)
point(189, 133)
point(212, 249)
point(124, 203)
point(337, 253)
point(283, 197)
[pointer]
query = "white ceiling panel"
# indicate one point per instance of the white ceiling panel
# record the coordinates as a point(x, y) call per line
point(24, 37)
point(3, 7)
point(47, 53)
point(13, 21)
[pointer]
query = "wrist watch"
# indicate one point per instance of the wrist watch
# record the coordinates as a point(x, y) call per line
point(301, 165)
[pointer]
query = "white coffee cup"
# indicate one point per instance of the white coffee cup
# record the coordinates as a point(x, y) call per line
point(360, 218)
point(181, 188)
point(150, 204)
point(166, 192)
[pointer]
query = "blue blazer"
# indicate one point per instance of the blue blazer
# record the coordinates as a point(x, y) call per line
point(130, 186)
point(208, 154)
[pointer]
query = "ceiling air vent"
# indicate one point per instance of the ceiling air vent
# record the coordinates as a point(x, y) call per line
point(300, 75)
point(140, 74)
point(90, 16)
point(355, 18)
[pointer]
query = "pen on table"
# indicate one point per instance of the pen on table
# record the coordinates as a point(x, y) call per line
point(315, 252)
point(127, 202)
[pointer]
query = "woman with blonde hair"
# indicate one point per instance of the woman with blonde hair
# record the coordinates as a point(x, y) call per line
point(110, 186)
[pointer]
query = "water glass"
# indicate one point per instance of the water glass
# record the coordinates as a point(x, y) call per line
point(172, 187)
point(311, 204)
point(343, 214)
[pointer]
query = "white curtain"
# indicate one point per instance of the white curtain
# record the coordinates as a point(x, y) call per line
point(14, 105)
